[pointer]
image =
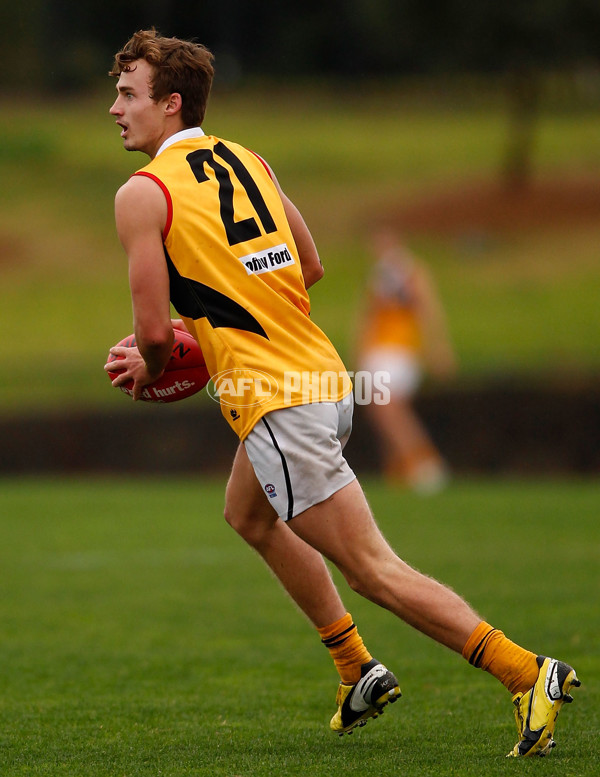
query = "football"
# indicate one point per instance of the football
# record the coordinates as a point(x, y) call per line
point(184, 375)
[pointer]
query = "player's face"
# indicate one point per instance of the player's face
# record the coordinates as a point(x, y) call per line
point(140, 118)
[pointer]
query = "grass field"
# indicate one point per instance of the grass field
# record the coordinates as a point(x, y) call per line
point(523, 302)
point(141, 637)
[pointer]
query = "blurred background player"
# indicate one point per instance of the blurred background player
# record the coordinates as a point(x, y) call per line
point(404, 333)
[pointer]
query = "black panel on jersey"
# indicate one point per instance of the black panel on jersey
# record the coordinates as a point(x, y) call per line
point(195, 300)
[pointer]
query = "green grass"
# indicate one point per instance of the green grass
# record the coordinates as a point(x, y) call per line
point(521, 303)
point(141, 637)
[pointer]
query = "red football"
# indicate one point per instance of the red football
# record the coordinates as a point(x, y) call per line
point(184, 375)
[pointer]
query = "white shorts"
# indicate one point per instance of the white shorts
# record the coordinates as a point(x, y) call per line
point(296, 453)
point(403, 367)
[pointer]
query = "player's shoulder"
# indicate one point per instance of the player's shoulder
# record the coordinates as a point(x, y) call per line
point(141, 187)
point(141, 204)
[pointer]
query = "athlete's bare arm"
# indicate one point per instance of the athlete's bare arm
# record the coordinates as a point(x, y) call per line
point(438, 351)
point(312, 269)
point(141, 213)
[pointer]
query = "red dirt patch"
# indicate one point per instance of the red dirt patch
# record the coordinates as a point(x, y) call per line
point(13, 250)
point(493, 208)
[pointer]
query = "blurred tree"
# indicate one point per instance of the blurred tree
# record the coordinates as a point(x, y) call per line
point(346, 38)
point(55, 46)
point(523, 41)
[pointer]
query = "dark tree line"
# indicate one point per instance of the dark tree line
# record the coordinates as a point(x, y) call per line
point(56, 47)
point(47, 40)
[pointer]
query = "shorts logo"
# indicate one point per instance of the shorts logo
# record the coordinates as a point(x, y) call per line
point(270, 489)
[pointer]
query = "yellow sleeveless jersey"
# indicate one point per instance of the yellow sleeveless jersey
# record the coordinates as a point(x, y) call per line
point(236, 280)
point(392, 326)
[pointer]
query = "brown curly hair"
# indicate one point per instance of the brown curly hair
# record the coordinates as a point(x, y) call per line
point(179, 66)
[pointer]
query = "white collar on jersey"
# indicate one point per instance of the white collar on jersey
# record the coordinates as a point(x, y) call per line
point(191, 132)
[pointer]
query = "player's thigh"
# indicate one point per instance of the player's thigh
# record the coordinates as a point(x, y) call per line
point(343, 529)
point(245, 501)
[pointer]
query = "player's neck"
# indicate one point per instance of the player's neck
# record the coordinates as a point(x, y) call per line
point(181, 134)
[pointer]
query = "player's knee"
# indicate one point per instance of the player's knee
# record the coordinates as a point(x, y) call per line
point(234, 518)
point(369, 581)
point(242, 523)
point(363, 580)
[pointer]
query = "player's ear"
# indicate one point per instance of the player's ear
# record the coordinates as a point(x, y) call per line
point(174, 104)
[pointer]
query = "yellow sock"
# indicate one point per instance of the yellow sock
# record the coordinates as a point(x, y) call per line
point(346, 648)
point(488, 649)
